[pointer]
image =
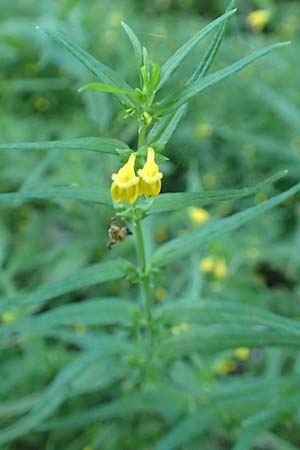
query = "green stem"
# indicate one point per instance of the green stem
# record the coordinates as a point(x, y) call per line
point(145, 278)
point(142, 135)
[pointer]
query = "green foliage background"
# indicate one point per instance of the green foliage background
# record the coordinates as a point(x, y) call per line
point(76, 372)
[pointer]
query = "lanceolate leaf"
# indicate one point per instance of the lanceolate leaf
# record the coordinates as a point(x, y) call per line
point(175, 201)
point(178, 247)
point(104, 73)
point(50, 399)
point(166, 127)
point(212, 50)
point(97, 273)
point(102, 311)
point(175, 60)
point(175, 100)
point(106, 88)
point(88, 195)
point(94, 144)
point(137, 47)
point(216, 338)
point(212, 312)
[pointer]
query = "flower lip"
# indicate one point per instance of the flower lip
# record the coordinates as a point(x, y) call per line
point(150, 173)
point(126, 177)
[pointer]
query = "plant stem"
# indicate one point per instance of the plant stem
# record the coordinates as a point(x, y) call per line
point(145, 279)
point(142, 135)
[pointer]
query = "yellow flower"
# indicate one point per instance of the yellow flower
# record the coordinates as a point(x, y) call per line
point(206, 264)
point(198, 215)
point(8, 317)
point(226, 366)
point(258, 19)
point(242, 353)
point(160, 294)
point(150, 177)
point(203, 130)
point(180, 328)
point(125, 186)
point(220, 270)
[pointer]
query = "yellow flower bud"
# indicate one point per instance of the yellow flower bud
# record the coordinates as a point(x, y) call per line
point(125, 186)
point(258, 19)
point(150, 177)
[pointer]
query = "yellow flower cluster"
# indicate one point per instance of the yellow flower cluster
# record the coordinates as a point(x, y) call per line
point(127, 186)
point(217, 267)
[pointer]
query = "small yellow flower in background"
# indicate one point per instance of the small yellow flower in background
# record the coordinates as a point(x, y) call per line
point(242, 353)
point(258, 19)
point(206, 264)
point(8, 317)
point(226, 366)
point(260, 198)
point(209, 180)
point(150, 177)
point(160, 294)
point(203, 130)
point(115, 18)
point(180, 328)
point(125, 186)
point(88, 447)
point(41, 104)
point(220, 269)
point(80, 328)
point(217, 267)
point(198, 215)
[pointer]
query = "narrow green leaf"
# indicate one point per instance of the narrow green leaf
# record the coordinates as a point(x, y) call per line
point(137, 47)
point(49, 401)
point(94, 144)
point(187, 429)
point(106, 88)
point(175, 201)
point(176, 59)
point(95, 274)
point(164, 129)
point(104, 73)
point(163, 400)
point(102, 311)
point(212, 50)
point(89, 195)
point(181, 96)
point(216, 338)
point(212, 312)
point(176, 248)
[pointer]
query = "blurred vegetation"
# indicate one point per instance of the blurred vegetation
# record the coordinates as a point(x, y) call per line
point(236, 134)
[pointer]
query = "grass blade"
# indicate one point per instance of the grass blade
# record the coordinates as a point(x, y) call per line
point(175, 201)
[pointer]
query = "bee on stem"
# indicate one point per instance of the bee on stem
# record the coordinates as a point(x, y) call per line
point(117, 234)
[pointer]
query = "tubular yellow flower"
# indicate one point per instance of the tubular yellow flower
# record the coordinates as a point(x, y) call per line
point(150, 177)
point(125, 186)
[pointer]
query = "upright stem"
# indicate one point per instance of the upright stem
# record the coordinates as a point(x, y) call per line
point(142, 135)
point(145, 279)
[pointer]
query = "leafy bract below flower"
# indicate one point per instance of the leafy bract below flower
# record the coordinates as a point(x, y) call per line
point(150, 177)
point(125, 186)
